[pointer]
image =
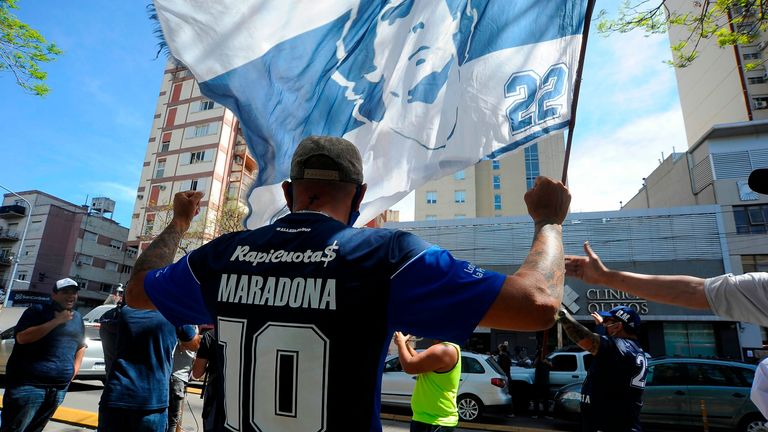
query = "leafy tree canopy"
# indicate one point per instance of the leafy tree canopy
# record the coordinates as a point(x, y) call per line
point(729, 22)
point(23, 50)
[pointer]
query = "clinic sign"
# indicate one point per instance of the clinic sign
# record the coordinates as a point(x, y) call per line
point(605, 299)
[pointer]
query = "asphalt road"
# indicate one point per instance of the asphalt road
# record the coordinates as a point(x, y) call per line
point(82, 401)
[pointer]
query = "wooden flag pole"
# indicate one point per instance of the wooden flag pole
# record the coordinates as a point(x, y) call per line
point(577, 86)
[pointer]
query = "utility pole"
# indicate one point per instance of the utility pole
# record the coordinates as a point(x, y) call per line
point(21, 246)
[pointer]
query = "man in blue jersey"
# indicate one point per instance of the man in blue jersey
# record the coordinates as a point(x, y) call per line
point(612, 393)
point(286, 298)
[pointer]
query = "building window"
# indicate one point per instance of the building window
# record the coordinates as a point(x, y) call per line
point(689, 339)
point(432, 197)
point(752, 56)
point(531, 165)
point(160, 169)
point(760, 102)
point(496, 182)
point(755, 80)
point(206, 105)
point(84, 260)
point(459, 175)
point(116, 244)
point(90, 236)
point(164, 147)
point(196, 157)
point(495, 164)
point(497, 202)
point(430, 217)
point(754, 263)
point(111, 266)
point(21, 275)
point(459, 196)
point(751, 219)
point(202, 130)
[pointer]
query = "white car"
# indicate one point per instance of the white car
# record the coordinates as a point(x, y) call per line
point(482, 387)
point(92, 367)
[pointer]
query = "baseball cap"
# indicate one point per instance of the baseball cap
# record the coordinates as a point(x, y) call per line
point(327, 158)
point(66, 283)
point(758, 180)
point(626, 315)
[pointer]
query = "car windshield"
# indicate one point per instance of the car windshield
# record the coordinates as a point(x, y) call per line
point(96, 313)
point(495, 366)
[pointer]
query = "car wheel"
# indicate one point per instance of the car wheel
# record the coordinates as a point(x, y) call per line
point(753, 423)
point(470, 408)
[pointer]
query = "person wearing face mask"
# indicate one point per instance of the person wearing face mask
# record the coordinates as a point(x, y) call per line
point(612, 393)
point(286, 298)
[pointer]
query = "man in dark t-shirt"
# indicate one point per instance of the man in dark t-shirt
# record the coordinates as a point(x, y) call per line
point(612, 393)
point(207, 363)
point(50, 345)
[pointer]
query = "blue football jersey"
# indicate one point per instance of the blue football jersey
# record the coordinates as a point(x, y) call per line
point(305, 309)
point(612, 394)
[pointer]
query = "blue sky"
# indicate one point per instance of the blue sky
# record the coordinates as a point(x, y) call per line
point(88, 137)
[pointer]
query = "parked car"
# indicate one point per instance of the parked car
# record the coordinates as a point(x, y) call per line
point(679, 391)
point(92, 367)
point(91, 320)
point(482, 388)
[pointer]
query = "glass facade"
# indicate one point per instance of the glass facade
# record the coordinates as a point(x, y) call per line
point(531, 164)
point(689, 339)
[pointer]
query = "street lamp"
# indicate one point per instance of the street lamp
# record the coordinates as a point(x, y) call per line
point(21, 246)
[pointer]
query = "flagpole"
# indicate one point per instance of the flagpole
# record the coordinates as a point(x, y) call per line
point(577, 86)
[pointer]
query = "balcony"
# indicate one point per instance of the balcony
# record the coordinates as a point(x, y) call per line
point(7, 235)
point(12, 211)
point(6, 260)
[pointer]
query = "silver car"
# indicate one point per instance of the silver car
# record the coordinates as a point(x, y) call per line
point(482, 387)
point(92, 367)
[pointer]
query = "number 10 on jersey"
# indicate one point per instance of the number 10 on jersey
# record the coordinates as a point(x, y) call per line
point(286, 381)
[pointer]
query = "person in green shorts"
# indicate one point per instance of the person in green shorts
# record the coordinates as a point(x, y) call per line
point(434, 398)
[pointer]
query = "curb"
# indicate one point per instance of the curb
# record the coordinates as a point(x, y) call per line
point(90, 419)
point(74, 417)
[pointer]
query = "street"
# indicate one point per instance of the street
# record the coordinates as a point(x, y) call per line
point(78, 413)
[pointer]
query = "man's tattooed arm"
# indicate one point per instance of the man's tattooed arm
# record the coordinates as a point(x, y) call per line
point(546, 257)
point(578, 333)
point(162, 250)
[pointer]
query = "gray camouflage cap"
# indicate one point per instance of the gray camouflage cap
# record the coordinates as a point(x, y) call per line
point(327, 158)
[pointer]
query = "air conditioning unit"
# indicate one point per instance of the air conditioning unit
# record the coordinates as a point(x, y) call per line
point(761, 104)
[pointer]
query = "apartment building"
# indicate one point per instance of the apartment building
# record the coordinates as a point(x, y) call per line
point(62, 240)
point(491, 188)
point(194, 144)
point(721, 85)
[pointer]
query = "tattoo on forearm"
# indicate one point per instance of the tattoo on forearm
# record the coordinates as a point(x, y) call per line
point(161, 251)
point(546, 257)
point(578, 333)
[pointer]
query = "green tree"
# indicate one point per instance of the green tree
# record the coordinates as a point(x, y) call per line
point(22, 51)
point(729, 22)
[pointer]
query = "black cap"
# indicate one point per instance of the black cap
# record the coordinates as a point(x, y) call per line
point(758, 180)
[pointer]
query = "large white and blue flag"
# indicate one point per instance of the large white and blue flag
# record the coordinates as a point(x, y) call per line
point(423, 88)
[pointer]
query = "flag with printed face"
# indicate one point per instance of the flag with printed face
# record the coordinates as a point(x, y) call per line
point(422, 88)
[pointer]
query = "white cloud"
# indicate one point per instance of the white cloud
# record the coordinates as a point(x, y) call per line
point(116, 191)
point(608, 166)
